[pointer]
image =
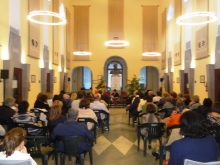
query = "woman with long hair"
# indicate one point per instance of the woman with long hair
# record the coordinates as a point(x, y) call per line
point(55, 116)
point(13, 143)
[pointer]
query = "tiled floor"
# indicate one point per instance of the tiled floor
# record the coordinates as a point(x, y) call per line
point(118, 146)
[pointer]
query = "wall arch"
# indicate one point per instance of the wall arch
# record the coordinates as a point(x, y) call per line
point(124, 66)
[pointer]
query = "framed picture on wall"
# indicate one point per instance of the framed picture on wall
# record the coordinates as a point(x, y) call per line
point(33, 78)
point(202, 79)
point(55, 80)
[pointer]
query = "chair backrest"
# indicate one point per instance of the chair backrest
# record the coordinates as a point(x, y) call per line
point(155, 130)
point(164, 112)
point(98, 113)
point(16, 162)
point(34, 144)
point(86, 120)
point(215, 131)
point(70, 144)
point(191, 162)
point(36, 130)
point(7, 123)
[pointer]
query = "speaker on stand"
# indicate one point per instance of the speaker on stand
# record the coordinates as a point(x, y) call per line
point(4, 76)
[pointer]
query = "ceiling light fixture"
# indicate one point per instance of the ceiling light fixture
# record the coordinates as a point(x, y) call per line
point(116, 43)
point(61, 15)
point(81, 53)
point(151, 54)
point(213, 18)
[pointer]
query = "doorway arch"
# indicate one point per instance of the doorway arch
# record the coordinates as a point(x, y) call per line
point(81, 78)
point(122, 62)
point(149, 78)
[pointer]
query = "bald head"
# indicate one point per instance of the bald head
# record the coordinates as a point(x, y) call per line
point(96, 97)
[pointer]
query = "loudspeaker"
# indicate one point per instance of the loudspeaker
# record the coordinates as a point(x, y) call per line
point(161, 79)
point(69, 79)
point(4, 74)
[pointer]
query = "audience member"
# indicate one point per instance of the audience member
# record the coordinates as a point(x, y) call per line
point(49, 98)
point(205, 108)
point(162, 100)
point(86, 112)
point(103, 97)
point(142, 101)
point(187, 100)
point(132, 108)
point(157, 97)
point(14, 142)
point(167, 104)
point(6, 111)
point(23, 116)
point(197, 144)
point(90, 92)
point(41, 102)
point(149, 100)
point(73, 96)
point(75, 103)
point(55, 116)
point(213, 118)
point(72, 128)
point(68, 102)
point(100, 106)
point(194, 103)
point(180, 97)
point(174, 98)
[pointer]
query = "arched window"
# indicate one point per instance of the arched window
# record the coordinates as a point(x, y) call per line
point(110, 67)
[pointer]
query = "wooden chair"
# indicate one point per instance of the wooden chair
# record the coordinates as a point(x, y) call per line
point(85, 121)
point(191, 162)
point(155, 131)
point(100, 120)
point(71, 148)
point(39, 146)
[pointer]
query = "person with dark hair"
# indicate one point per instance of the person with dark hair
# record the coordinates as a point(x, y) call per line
point(133, 108)
point(187, 100)
point(213, 118)
point(75, 103)
point(90, 94)
point(73, 128)
point(114, 97)
point(104, 97)
point(23, 116)
point(157, 97)
point(149, 100)
point(197, 144)
point(13, 143)
point(86, 112)
point(41, 102)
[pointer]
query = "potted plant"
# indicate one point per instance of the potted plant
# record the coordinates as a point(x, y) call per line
point(101, 83)
point(133, 85)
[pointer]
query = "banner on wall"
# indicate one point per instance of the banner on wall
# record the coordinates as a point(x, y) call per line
point(116, 83)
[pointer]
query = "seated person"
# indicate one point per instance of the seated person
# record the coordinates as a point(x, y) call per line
point(72, 128)
point(168, 104)
point(114, 97)
point(6, 110)
point(41, 102)
point(197, 144)
point(213, 118)
point(142, 101)
point(194, 102)
point(23, 116)
point(55, 116)
point(86, 112)
point(149, 100)
point(68, 102)
point(133, 108)
point(100, 106)
point(14, 142)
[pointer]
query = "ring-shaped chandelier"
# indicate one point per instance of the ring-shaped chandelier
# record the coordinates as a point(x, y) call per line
point(82, 53)
point(46, 13)
point(151, 54)
point(213, 17)
point(116, 43)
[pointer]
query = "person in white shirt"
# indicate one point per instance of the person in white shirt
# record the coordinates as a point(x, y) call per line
point(14, 142)
point(86, 112)
point(75, 103)
point(142, 101)
point(157, 97)
point(100, 106)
